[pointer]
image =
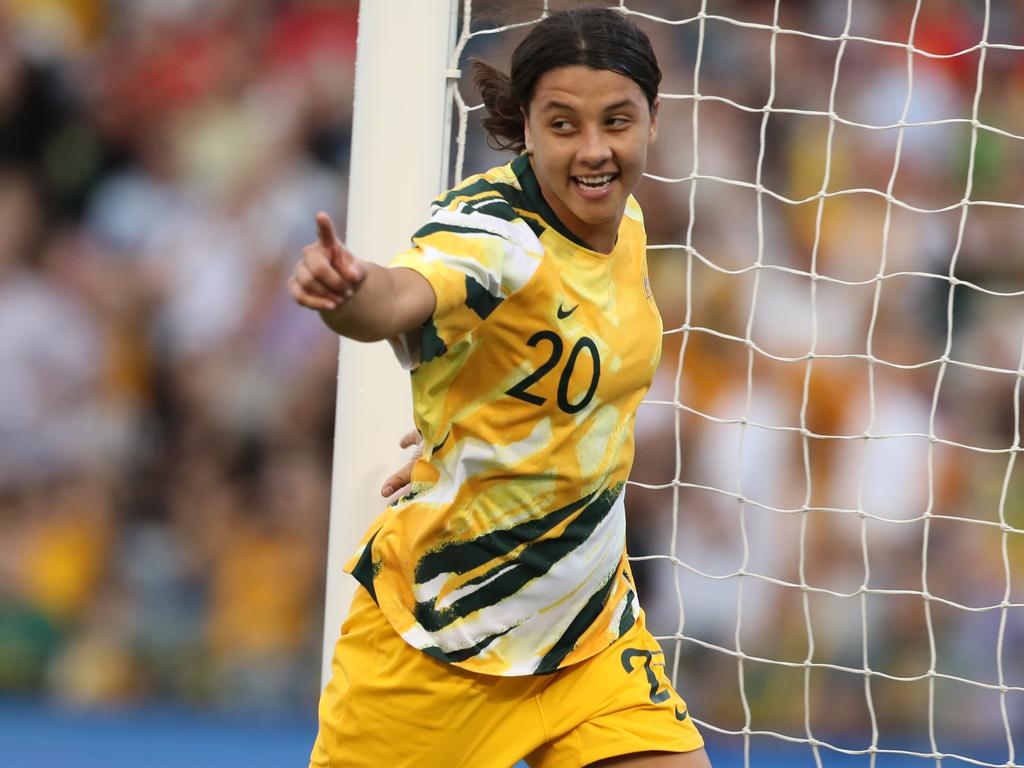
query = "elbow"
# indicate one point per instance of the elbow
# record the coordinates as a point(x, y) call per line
point(354, 331)
point(365, 336)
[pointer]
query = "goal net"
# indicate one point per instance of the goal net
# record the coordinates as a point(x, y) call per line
point(825, 519)
point(826, 512)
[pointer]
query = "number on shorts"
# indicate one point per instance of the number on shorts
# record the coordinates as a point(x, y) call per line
point(629, 655)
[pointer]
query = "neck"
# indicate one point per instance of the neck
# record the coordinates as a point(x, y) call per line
point(598, 237)
point(604, 242)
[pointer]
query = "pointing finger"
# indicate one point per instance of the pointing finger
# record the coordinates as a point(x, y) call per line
point(325, 230)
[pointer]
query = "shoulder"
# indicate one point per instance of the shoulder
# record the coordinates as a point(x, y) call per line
point(482, 205)
point(491, 187)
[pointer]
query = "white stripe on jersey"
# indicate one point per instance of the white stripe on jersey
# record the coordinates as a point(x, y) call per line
point(467, 265)
point(469, 589)
point(406, 349)
point(518, 232)
point(522, 249)
point(561, 595)
point(620, 609)
point(601, 443)
point(418, 637)
point(481, 202)
point(518, 268)
point(471, 456)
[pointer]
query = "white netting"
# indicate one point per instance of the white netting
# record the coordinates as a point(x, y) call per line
point(825, 469)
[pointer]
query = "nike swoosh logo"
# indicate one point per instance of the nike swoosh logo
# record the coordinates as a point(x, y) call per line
point(681, 715)
point(563, 313)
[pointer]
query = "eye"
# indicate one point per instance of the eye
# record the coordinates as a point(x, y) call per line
point(617, 122)
point(561, 125)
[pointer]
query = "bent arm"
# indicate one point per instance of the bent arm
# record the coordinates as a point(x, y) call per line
point(355, 298)
point(390, 301)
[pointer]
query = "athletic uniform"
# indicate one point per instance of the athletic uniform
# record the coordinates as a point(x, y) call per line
point(507, 559)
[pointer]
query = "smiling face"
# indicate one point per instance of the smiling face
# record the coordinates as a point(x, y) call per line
point(587, 133)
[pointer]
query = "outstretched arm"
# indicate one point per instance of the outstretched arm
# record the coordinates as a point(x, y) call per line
point(358, 299)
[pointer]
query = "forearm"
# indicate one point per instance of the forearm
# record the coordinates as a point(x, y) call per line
point(387, 303)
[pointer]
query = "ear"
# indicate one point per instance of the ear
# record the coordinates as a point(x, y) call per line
point(527, 136)
point(653, 133)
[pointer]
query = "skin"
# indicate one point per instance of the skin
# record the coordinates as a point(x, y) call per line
point(400, 482)
point(356, 298)
point(698, 759)
point(582, 123)
point(587, 123)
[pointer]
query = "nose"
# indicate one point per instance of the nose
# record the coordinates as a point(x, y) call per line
point(594, 150)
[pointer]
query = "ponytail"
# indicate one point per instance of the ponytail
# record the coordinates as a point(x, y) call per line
point(503, 119)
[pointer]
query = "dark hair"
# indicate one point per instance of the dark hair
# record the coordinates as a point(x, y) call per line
point(599, 38)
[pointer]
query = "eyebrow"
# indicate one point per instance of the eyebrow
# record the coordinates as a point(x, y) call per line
point(549, 105)
point(620, 105)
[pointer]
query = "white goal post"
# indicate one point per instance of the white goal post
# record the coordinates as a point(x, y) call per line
point(398, 165)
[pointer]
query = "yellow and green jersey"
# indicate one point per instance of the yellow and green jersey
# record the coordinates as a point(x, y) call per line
point(508, 555)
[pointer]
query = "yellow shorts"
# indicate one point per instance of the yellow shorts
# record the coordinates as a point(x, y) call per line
point(388, 704)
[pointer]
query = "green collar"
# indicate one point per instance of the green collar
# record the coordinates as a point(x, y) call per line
point(531, 189)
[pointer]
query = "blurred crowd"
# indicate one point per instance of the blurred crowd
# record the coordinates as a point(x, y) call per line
point(167, 416)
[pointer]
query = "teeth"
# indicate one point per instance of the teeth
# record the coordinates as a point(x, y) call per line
point(594, 181)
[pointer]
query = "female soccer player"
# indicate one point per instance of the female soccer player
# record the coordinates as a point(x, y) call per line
point(497, 619)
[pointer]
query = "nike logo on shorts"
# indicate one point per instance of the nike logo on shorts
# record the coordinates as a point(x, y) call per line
point(562, 313)
point(681, 715)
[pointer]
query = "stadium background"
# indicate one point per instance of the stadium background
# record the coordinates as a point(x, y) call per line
point(167, 413)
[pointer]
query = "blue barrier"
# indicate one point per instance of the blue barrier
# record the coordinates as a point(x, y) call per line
point(33, 735)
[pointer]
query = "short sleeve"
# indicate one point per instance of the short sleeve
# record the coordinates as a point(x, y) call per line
point(473, 261)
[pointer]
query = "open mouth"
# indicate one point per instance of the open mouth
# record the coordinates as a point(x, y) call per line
point(595, 183)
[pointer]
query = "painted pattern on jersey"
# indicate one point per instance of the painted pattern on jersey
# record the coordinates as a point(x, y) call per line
point(508, 556)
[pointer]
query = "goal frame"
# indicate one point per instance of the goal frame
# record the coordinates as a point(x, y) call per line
point(399, 161)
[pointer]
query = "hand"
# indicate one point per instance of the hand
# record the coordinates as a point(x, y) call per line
point(399, 484)
point(328, 274)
